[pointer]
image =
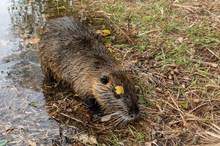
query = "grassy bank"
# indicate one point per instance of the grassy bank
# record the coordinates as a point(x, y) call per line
point(173, 50)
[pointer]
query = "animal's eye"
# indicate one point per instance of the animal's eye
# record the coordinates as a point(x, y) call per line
point(104, 80)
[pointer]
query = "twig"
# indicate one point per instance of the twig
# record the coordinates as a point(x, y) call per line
point(213, 134)
point(189, 8)
point(181, 113)
point(77, 120)
point(213, 53)
point(202, 62)
point(214, 86)
point(217, 127)
point(197, 107)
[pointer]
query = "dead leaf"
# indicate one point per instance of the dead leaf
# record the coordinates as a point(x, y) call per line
point(170, 77)
point(86, 139)
point(214, 64)
point(176, 71)
point(158, 90)
point(183, 86)
point(180, 40)
point(31, 143)
point(148, 143)
point(106, 118)
point(33, 41)
point(196, 100)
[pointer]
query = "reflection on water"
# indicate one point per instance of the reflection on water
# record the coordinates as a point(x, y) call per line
point(26, 17)
point(22, 105)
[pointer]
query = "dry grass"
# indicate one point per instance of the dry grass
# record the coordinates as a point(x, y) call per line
point(172, 49)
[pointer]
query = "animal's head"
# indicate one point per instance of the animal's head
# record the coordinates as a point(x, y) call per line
point(116, 94)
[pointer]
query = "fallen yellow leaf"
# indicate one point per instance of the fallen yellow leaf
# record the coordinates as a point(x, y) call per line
point(33, 41)
point(119, 90)
point(106, 32)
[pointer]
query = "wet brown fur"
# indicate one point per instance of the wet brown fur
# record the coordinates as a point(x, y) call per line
point(70, 52)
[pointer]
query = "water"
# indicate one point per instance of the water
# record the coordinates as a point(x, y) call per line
point(23, 117)
point(33, 111)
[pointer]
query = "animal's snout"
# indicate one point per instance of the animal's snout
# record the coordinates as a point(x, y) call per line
point(134, 111)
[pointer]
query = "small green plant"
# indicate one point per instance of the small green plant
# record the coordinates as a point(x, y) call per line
point(138, 136)
point(3, 142)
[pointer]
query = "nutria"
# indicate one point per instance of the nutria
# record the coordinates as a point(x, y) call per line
point(70, 52)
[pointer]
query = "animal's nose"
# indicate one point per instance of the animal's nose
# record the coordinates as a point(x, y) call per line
point(134, 111)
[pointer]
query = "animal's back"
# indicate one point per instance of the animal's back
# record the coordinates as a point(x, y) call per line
point(59, 33)
point(69, 51)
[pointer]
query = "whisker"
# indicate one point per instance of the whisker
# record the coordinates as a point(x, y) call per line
point(116, 113)
point(119, 121)
point(116, 120)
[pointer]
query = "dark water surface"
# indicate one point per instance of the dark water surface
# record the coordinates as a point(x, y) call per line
point(23, 118)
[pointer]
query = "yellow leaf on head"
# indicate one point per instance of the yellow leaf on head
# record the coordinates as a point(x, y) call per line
point(119, 90)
